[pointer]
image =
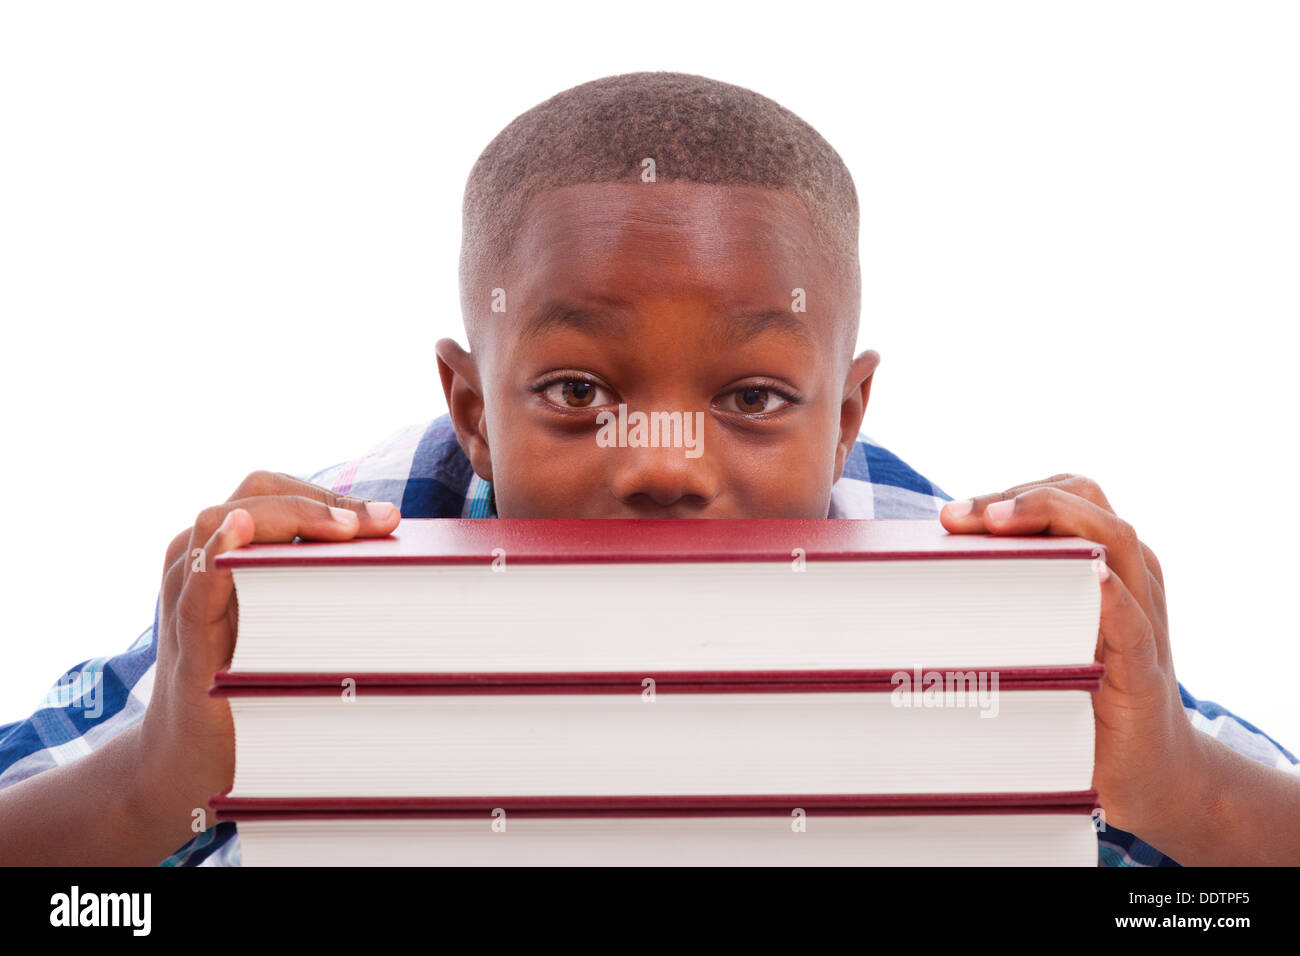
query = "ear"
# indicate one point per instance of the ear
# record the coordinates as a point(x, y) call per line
point(464, 393)
point(857, 391)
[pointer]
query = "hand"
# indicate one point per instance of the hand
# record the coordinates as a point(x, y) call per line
point(1149, 760)
point(187, 743)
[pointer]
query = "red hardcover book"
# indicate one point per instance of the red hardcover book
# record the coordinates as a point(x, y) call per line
point(664, 687)
point(921, 735)
point(246, 808)
point(525, 602)
point(973, 829)
point(467, 541)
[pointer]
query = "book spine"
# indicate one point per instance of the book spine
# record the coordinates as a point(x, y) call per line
point(240, 684)
point(1083, 801)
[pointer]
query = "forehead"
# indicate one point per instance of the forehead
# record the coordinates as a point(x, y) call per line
point(633, 240)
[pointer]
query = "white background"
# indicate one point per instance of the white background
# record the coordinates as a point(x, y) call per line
point(228, 241)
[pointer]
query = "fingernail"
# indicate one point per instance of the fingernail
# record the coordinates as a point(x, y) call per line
point(380, 510)
point(226, 522)
point(344, 515)
point(1103, 572)
point(1001, 510)
point(959, 509)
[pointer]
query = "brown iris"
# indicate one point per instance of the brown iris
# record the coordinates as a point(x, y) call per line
point(578, 394)
point(751, 399)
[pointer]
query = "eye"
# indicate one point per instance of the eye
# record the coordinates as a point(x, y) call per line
point(574, 393)
point(756, 400)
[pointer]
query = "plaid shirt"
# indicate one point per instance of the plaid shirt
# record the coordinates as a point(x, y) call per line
point(424, 469)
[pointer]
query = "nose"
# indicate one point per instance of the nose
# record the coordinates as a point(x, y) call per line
point(655, 478)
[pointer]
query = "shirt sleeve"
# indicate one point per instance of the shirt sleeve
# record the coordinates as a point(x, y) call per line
point(1120, 848)
point(1242, 736)
point(89, 705)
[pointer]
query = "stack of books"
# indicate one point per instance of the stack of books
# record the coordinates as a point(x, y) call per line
point(665, 692)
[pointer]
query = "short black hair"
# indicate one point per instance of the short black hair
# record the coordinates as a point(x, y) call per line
point(695, 129)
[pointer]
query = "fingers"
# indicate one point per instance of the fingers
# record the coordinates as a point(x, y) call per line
point(176, 548)
point(1153, 565)
point(1085, 488)
point(1135, 653)
point(371, 518)
point(171, 592)
point(174, 564)
point(203, 609)
point(278, 484)
point(1050, 509)
point(282, 518)
point(201, 594)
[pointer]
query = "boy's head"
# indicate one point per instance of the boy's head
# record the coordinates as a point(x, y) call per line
point(679, 246)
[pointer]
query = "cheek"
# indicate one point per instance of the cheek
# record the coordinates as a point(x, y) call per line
point(789, 479)
point(542, 475)
point(811, 459)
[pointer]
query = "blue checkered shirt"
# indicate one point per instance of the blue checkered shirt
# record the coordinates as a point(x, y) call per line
point(424, 469)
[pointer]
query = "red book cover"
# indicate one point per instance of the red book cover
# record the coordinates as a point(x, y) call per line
point(658, 540)
point(226, 684)
point(254, 808)
point(450, 541)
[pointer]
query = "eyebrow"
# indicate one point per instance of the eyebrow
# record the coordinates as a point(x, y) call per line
point(611, 321)
point(565, 315)
point(747, 325)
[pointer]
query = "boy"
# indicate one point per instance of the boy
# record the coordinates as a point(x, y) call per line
point(668, 243)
